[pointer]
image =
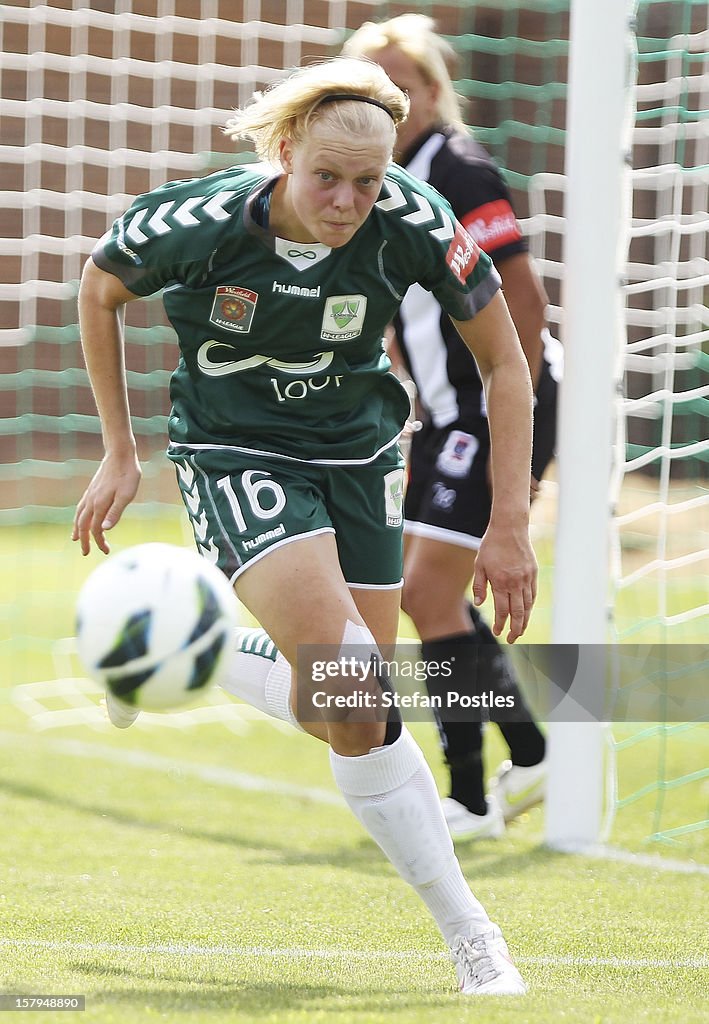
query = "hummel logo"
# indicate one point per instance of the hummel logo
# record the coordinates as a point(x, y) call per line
point(295, 289)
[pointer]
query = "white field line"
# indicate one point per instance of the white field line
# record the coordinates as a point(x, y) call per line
point(215, 774)
point(300, 952)
point(220, 776)
point(645, 860)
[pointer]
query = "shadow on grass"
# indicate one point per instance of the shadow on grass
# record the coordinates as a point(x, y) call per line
point(363, 856)
point(478, 859)
point(170, 991)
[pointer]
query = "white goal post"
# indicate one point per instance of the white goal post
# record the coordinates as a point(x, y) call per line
point(595, 252)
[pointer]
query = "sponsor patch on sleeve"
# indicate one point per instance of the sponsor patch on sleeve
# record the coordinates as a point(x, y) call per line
point(463, 254)
point(493, 225)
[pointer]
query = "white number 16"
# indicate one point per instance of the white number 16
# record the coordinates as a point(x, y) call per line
point(253, 489)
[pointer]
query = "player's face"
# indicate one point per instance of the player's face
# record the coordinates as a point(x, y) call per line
point(423, 95)
point(332, 183)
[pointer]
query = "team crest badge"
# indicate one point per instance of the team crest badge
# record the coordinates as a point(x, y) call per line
point(233, 308)
point(456, 456)
point(343, 317)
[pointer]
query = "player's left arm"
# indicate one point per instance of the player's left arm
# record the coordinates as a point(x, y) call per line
point(493, 224)
point(505, 560)
point(527, 302)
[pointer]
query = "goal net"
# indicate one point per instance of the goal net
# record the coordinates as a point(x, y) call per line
point(100, 102)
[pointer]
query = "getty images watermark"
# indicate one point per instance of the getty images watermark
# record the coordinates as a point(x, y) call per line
point(365, 681)
point(558, 682)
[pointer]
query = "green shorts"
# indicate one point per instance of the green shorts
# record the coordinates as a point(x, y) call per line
point(242, 506)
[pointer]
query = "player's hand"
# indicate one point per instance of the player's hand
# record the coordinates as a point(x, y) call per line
point(112, 488)
point(410, 428)
point(413, 423)
point(506, 561)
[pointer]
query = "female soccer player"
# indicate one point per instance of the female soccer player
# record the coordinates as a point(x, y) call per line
point(449, 494)
point(285, 421)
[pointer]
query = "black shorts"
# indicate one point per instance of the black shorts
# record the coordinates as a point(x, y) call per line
point(448, 494)
point(544, 437)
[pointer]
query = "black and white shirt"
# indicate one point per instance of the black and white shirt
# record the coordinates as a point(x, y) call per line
point(444, 371)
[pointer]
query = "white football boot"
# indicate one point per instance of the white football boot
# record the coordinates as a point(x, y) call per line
point(484, 966)
point(516, 789)
point(463, 825)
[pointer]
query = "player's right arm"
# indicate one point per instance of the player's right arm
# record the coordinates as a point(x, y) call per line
point(102, 299)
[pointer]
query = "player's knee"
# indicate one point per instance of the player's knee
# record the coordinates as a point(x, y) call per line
point(353, 695)
point(413, 594)
point(353, 739)
point(423, 597)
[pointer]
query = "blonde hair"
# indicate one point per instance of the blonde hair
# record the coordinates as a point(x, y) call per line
point(293, 106)
point(416, 37)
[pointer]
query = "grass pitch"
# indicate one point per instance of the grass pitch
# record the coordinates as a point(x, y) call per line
point(214, 871)
point(162, 872)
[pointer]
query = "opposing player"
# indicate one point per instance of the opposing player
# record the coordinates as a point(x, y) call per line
point(449, 496)
point(285, 422)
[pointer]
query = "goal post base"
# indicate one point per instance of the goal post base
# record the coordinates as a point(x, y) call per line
point(574, 807)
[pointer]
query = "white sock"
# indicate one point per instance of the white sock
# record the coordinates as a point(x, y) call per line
point(392, 793)
point(260, 675)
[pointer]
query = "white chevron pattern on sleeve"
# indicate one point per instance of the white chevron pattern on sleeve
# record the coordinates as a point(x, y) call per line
point(395, 200)
point(157, 223)
point(425, 212)
point(445, 232)
point(183, 214)
point(133, 231)
point(188, 214)
point(215, 207)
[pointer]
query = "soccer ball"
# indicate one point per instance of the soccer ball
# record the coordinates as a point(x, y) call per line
point(154, 625)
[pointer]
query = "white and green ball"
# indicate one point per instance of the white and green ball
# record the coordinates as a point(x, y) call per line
point(154, 625)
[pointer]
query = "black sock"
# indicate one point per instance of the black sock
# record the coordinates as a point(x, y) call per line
point(394, 722)
point(527, 744)
point(523, 737)
point(461, 739)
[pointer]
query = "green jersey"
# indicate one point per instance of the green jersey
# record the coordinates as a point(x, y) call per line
point(281, 342)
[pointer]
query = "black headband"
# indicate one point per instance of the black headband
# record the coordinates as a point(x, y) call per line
point(333, 96)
